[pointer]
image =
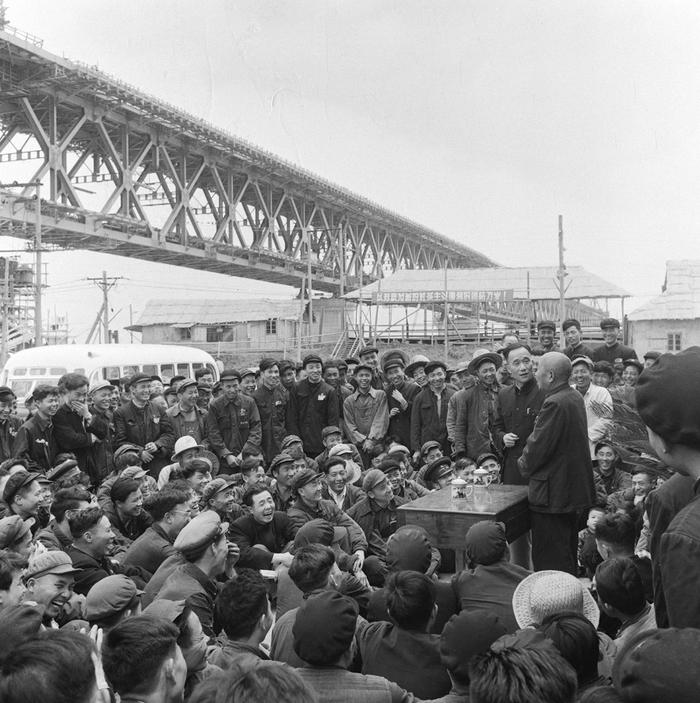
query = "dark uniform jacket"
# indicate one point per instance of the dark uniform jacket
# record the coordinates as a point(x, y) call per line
point(189, 583)
point(300, 513)
point(73, 434)
point(126, 531)
point(149, 550)
point(140, 426)
point(557, 458)
point(516, 412)
point(233, 426)
point(8, 432)
point(36, 442)
point(475, 412)
point(52, 538)
point(309, 410)
point(275, 535)
point(579, 350)
point(377, 522)
point(94, 570)
point(409, 659)
point(426, 422)
point(662, 505)
point(102, 450)
point(400, 424)
point(609, 354)
point(272, 406)
point(177, 420)
point(679, 565)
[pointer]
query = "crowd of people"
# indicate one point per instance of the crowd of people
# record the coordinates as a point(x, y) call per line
point(239, 540)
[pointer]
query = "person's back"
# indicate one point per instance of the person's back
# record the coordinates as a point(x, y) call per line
point(403, 651)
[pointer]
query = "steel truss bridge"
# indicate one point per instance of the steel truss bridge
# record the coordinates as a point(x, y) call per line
point(127, 174)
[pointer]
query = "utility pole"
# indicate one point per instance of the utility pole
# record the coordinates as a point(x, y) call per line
point(309, 284)
point(561, 275)
point(105, 284)
point(37, 268)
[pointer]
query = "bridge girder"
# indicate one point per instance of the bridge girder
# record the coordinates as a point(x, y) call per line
point(127, 174)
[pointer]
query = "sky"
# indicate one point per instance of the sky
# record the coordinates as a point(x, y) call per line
point(482, 120)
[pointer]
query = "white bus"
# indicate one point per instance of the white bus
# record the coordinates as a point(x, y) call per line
point(28, 368)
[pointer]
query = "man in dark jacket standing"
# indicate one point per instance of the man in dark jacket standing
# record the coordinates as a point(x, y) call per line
point(233, 422)
point(313, 405)
point(518, 407)
point(400, 394)
point(557, 462)
point(611, 350)
point(271, 398)
point(8, 423)
point(146, 425)
point(429, 413)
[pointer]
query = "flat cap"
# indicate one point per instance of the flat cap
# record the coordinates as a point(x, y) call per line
point(220, 483)
point(62, 469)
point(583, 359)
point(54, 562)
point(280, 460)
point(202, 530)
point(330, 430)
point(135, 473)
point(409, 549)
point(110, 596)
point(609, 322)
point(398, 449)
point(6, 393)
point(634, 362)
point(485, 457)
point(438, 468)
point(248, 372)
point(485, 542)
point(547, 325)
point(372, 479)
point(571, 322)
point(418, 361)
point(437, 364)
point(138, 378)
point(367, 351)
point(324, 627)
point(652, 355)
point(430, 444)
point(339, 450)
point(13, 529)
point(289, 440)
point(187, 383)
point(229, 375)
point(124, 448)
point(304, 477)
point(311, 359)
point(389, 465)
point(352, 360)
point(18, 480)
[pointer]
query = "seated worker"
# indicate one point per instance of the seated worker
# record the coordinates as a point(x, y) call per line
point(283, 469)
point(265, 534)
point(331, 437)
point(429, 452)
point(488, 582)
point(490, 463)
point(353, 467)
point(402, 650)
point(376, 515)
point(337, 487)
point(404, 489)
point(309, 505)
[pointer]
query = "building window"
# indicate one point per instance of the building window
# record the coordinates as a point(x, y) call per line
point(674, 341)
point(271, 326)
point(185, 333)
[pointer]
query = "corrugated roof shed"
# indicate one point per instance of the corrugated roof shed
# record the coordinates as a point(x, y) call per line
point(215, 312)
point(532, 282)
point(680, 299)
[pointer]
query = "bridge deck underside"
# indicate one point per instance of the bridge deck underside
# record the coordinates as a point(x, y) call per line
point(124, 173)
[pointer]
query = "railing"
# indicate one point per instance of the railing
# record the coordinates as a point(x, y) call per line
point(24, 36)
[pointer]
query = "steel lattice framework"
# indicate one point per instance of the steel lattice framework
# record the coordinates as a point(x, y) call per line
point(127, 174)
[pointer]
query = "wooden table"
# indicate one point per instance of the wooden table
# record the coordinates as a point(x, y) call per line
point(447, 521)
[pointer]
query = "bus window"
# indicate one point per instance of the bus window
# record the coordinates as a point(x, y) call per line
point(197, 365)
point(82, 371)
point(150, 369)
point(21, 388)
point(167, 371)
point(37, 372)
point(183, 370)
point(21, 371)
point(57, 371)
point(130, 370)
point(110, 372)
